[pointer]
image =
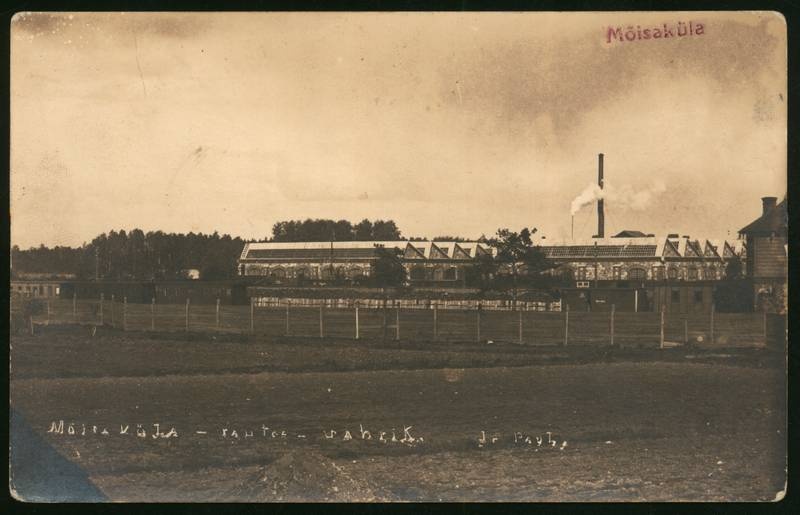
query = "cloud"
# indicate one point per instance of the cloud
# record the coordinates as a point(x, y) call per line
point(525, 74)
point(166, 25)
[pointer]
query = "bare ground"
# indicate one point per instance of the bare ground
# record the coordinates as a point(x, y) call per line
point(644, 426)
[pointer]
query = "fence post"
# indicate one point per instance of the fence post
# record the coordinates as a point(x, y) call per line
point(686, 330)
point(102, 297)
point(321, 322)
point(74, 307)
point(520, 325)
point(397, 324)
point(356, 320)
point(712, 323)
point(186, 316)
point(48, 314)
point(435, 321)
point(764, 326)
point(661, 327)
point(566, 326)
point(153, 314)
point(112, 310)
point(478, 324)
point(124, 313)
point(217, 316)
point(252, 314)
point(613, 308)
point(288, 303)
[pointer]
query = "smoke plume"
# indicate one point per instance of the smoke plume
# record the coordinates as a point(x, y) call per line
point(624, 196)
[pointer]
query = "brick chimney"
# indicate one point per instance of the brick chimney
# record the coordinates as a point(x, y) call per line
point(768, 204)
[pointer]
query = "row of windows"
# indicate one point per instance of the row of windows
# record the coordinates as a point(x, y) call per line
point(675, 296)
point(176, 292)
point(433, 274)
point(306, 272)
point(36, 290)
point(659, 273)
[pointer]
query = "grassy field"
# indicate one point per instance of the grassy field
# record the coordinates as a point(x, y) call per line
point(624, 425)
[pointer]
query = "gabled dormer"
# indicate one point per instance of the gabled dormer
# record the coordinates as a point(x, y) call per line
point(670, 249)
point(459, 253)
point(437, 253)
point(412, 252)
point(710, 251)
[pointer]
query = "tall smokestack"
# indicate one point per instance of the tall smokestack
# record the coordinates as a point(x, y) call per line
point(601, 217)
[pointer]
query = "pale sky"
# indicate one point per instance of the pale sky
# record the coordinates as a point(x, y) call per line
point(447, 123)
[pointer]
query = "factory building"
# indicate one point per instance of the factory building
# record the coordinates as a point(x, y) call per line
point(440, 263)
point(632, 270)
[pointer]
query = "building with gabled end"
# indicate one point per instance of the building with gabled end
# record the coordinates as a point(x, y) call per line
point(650, 272)
point(435, 263)
point(643, 273)
point(767, 240)
point(644, 258)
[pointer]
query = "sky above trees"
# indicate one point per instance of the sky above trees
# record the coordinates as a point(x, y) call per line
point(448, 123)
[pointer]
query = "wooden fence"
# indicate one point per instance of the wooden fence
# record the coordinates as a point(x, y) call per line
point(432, 323)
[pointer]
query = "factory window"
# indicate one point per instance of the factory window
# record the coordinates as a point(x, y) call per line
point(637, 274)
point(418, 273)
point(616, 273)
point(672, 273)
point(450, 274)
point(698, 296)
point(675, 296)
point(278, 273)
point(711, 273)
point(581, 273)
point(658, 273)
point(692, 273)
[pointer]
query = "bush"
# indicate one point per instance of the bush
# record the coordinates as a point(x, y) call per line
point(734, 296)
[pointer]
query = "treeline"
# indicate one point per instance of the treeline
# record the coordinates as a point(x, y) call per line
point(332, 230)
point(343, 230)
point(136, 255)
point(155, 255)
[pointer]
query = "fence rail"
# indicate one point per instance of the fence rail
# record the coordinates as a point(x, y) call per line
point(556, 328)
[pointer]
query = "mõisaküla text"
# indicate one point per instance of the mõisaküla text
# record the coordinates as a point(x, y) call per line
point(663, 31)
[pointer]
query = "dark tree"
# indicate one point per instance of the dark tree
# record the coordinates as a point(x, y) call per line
point(385, 230)
point(363, 230)
point(734, 293)
point(388, 270)
point(518, 259)
point(331, 230)
point(734, 269)
point(449, 238)
point(481, 273)
point(136, 256)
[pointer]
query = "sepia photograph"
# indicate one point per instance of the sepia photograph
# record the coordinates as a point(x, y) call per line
point(398, 257)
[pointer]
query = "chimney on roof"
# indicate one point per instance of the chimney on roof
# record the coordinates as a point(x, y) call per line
point(768, 204)
point(601, 217)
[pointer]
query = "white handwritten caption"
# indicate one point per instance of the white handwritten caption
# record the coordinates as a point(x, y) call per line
point(407, 437)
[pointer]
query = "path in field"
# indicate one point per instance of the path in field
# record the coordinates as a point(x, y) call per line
point(643, 431)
